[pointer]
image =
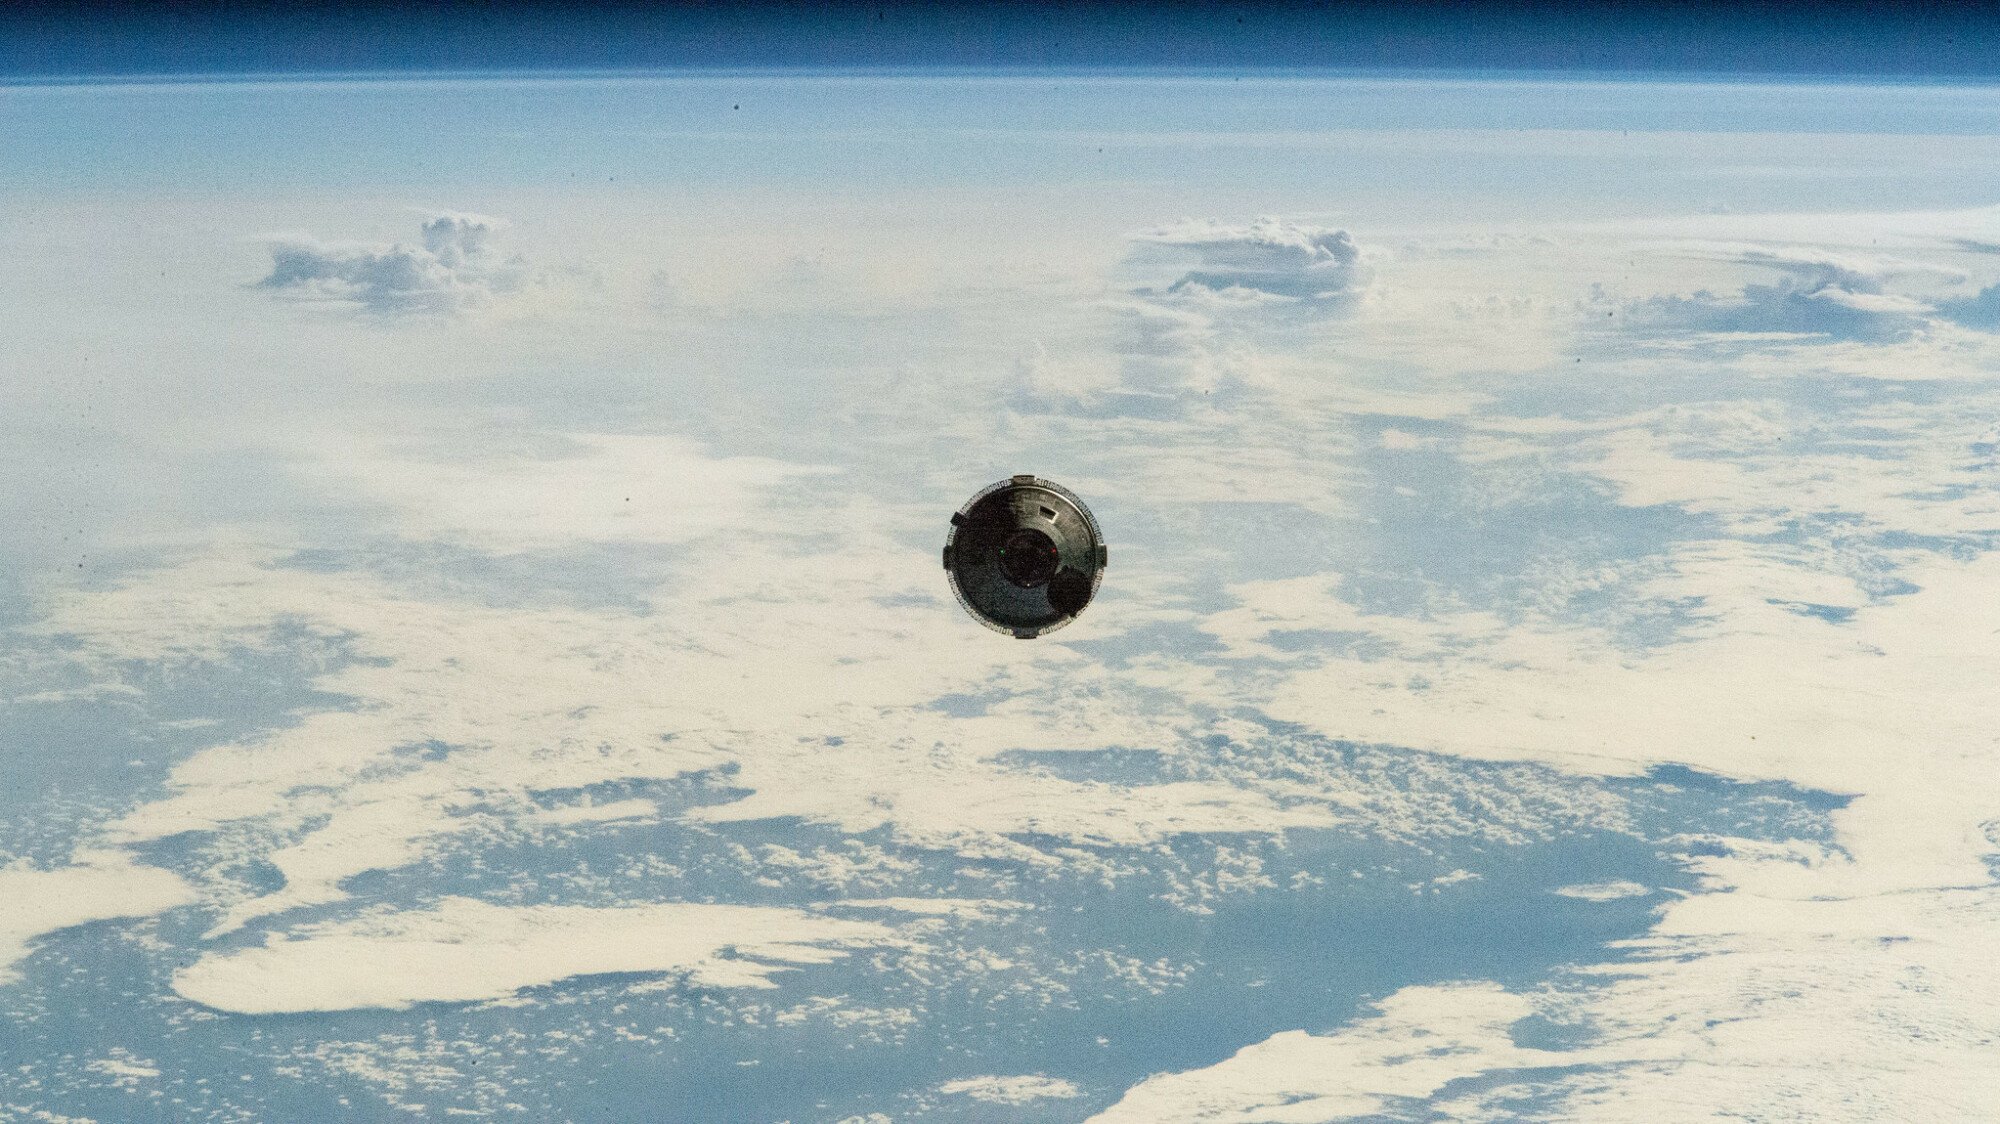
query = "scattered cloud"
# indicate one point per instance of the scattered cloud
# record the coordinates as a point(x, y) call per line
point(754, 661)
point(1012, 1090)
point(458, 265)
point(829, 726)
point(124, 1069)
point(464, 950)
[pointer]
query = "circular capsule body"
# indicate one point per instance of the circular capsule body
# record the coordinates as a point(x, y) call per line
point(1024, 556)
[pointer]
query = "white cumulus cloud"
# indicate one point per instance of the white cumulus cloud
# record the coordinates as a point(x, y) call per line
point(457, 265)
point(1270, 256)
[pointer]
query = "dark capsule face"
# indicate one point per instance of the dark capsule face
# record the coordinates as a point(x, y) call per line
point(1029, 558)
point(1024, 556)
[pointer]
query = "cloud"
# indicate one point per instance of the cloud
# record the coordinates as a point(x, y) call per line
point(1778, 1005)
point(1200, 339)
point(1851, 978)
point(458, 266)
point(1270, 258)
point(124, 1069)
point(1012, 1090)
point(973, 806)
point(527, 700)
point(37, 902)
point(593, 488)
point(1040, 383)
point(618, 811)
point(1813, 294)
point(1602, 891)
point(1980, 310)
point(755, 660)
point(972, 909)
point(1402, 441)
point(464, 950)
point(1888, 931)
point(1421, 1039)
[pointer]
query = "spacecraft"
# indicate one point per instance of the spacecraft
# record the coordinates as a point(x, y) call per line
point(1024, 556)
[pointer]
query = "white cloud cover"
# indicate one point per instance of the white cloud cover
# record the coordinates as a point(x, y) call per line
point(1850, 979)
point(1830, 281)
point(754, 661)
point(589, 488)
point(1780, 696)
point(567, 698)
point(1206, 342)
point(458, 266)
point(1738, 1005)
point(573, 698)
point(1025, 1089)
point(104, 886)
point(971, 909)
point(464, 950)
point(1420, 1039)
point(1823, 293)
point(1819, 959)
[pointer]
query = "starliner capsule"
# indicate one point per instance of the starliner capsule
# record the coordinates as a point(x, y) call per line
point(1024, 556)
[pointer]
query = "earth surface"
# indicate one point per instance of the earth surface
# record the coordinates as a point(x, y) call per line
point(474, 641)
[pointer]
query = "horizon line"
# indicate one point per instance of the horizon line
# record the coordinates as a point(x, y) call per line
point(1216, 72)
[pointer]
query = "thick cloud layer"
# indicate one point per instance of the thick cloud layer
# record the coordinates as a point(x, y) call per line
point(458, 266)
